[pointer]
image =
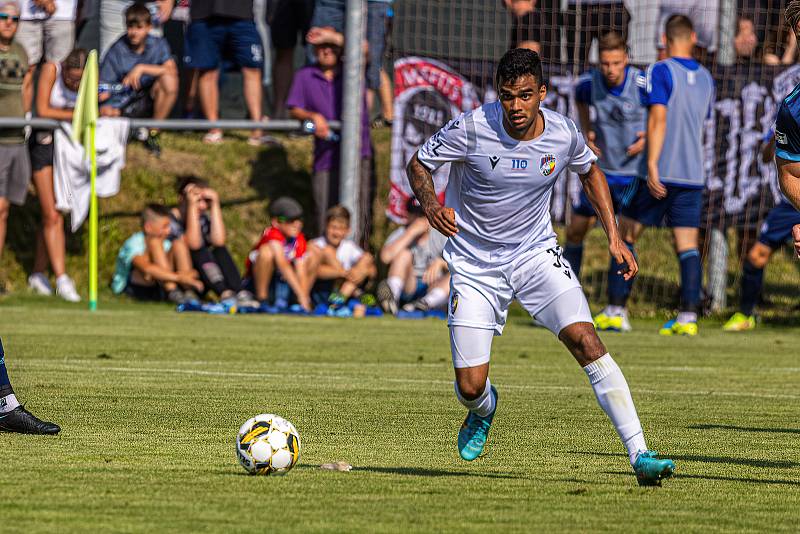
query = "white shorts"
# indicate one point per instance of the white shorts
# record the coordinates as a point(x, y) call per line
point(541, 280)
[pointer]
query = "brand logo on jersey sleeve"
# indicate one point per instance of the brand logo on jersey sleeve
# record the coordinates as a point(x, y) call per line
point(547, 164)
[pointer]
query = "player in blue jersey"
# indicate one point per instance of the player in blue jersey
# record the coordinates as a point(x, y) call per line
point(13, 415)
point(679, 94)
point(788, 155)
point(783, 221)
point(616, 136)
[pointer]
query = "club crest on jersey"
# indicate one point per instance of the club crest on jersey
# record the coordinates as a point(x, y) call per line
point(453, 303)
point(547, 164)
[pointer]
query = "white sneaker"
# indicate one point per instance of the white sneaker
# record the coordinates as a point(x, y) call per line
point(65, 288)
point(40, 285)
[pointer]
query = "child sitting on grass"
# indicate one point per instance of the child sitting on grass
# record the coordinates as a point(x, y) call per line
point(145, 264)
point(277, 263)
point(198, 236)
point(336, 261)
point(418, 279)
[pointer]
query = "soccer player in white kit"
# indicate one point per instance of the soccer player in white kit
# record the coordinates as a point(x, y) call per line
point(505, 159)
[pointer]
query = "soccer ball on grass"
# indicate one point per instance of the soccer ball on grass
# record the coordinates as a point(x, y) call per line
point(268, 445)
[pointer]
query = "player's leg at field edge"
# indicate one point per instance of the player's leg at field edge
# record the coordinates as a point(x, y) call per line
point(686, 242)
point(619, 289)
point(609, 384)
point(8, 401)
point(753, 276)
point(577, 229)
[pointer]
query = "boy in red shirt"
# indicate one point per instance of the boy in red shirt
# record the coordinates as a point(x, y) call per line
point(282, 247)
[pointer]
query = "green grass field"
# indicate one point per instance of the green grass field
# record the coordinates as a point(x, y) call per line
point(150, 402)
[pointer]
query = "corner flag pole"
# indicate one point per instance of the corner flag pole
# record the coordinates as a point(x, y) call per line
point(84, 122)
point(93, 221)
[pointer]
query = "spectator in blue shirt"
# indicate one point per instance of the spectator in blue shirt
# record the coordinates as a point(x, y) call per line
point(138, 76)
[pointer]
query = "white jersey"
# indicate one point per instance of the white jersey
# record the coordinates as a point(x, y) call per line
point(499, 187)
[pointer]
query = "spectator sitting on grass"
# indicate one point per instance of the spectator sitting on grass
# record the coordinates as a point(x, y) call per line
point(142, 64)
point(145, 264)
point(418, 277)
point(197, 229)
point(277, 263)
point(336, 261)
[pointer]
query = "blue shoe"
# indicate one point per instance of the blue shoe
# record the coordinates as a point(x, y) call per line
point(650, 469)
point(474, 431)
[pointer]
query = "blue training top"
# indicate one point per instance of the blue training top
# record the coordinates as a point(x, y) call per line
point(619, 116)
point(687, 90)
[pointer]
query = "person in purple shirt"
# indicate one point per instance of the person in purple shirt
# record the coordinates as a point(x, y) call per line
point(316, 95)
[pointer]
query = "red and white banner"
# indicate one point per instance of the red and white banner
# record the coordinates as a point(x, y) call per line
point(427, 94)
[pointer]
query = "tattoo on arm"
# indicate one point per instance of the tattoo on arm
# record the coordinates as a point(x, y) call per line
point(421, 182)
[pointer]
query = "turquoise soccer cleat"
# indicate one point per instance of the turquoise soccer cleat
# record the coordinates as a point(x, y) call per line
point(474, 431)
point(650, 469)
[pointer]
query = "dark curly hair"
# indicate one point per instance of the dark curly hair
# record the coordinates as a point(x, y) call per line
point(518, 62)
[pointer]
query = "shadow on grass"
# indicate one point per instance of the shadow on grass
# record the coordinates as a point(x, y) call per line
point(745, 429)
point(746, 480)
point(433, 473)
point(749, 462)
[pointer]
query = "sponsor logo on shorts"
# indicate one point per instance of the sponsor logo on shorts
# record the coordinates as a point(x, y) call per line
point(547, 164)
point(453, 303)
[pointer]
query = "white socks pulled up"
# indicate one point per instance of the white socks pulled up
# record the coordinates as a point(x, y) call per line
point(614, 397)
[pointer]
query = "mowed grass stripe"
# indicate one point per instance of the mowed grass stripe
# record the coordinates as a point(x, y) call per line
point(88, 366)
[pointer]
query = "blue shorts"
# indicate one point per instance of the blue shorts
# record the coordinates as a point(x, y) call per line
point(777, 227)
point(619, 196)
point(209, 40)
point(681, 208)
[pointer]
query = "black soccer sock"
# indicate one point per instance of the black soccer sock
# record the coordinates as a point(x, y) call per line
point(691, 275)
point(573, 253)
point(752, 282)
point(233, 280)
point(210, 273)
point(619, 289)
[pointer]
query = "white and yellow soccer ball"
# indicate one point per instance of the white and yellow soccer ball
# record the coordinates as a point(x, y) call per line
point(268, 445)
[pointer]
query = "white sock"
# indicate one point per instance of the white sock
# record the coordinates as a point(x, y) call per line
point(435, 298)
point(8, 403)
point(615, 311)
point(614, 398)
point(687, 317)
point(396, 285)
point(483, 405)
